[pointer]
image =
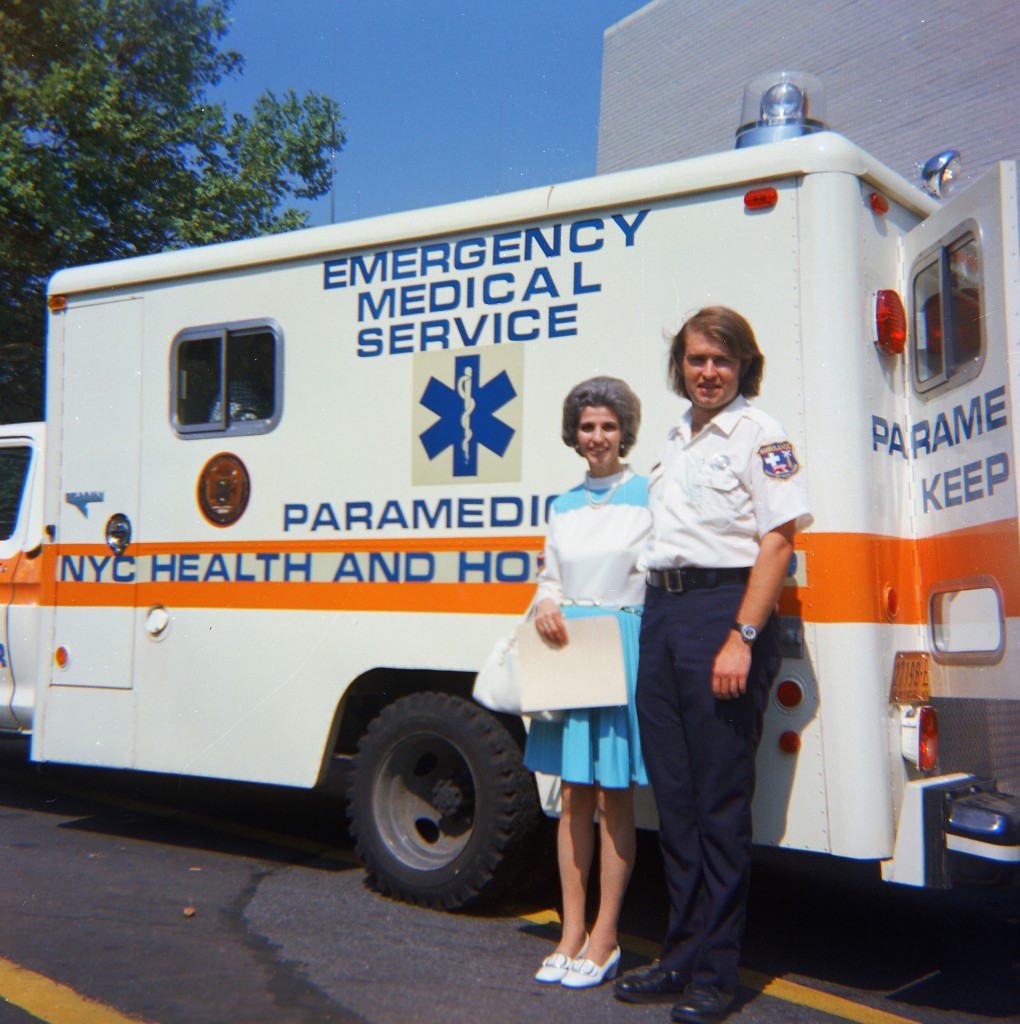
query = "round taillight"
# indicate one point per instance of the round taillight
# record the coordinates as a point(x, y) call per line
point(890, 323)
point(789, 742)
point(927, 738)
point(789, 694)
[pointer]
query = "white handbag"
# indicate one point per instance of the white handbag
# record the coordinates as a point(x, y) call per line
point(498, 683)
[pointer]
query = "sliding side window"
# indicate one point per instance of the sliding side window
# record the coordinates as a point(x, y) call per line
point(227, 380)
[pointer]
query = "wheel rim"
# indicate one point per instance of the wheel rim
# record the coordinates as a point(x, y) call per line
point(424, 798)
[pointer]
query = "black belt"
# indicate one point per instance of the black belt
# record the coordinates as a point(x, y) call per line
point(676, 581)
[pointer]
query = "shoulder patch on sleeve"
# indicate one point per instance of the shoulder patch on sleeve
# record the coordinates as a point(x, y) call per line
point(779, 460)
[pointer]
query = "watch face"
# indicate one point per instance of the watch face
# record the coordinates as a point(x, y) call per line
point(749, 633)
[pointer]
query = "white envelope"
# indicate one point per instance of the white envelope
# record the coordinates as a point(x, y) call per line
point(587, 672)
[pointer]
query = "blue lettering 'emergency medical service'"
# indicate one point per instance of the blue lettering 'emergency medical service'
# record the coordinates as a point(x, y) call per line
point(515, 286)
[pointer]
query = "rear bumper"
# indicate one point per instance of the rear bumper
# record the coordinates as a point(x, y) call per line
point(956, 831)
point(982, 843)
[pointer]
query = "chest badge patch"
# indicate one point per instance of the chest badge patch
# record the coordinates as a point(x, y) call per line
point(778, 460)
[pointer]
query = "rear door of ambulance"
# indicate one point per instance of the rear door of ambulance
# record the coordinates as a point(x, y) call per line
point(962, 286)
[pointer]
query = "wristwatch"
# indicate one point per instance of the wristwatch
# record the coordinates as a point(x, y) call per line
point(748, 633)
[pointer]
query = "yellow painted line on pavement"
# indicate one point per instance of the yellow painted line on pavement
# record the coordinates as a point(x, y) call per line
point(52, 1002)
point(826, 1002)
point(777, 988)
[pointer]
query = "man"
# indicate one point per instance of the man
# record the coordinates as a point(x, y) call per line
point(726, 498)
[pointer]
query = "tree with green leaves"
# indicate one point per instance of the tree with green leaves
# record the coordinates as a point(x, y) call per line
point(111, 147)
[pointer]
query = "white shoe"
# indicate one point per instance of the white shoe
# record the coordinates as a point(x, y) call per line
point(584, 973)
point(556, 966)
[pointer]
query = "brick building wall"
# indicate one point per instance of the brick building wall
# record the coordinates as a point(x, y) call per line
point(903, 78)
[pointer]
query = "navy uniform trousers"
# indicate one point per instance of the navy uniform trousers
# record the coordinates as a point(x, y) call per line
point(700, 756)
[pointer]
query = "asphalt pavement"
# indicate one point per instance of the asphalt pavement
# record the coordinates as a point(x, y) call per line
point(129, 897)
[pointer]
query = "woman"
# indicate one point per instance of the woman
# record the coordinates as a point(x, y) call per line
point(596, 533)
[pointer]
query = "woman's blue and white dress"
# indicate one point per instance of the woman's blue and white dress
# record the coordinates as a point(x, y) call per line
point(596, 538)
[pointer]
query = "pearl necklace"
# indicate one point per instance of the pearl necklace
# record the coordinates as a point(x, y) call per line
point(604, 496)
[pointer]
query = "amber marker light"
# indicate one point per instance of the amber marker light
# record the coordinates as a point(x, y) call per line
point(761, 199)
point(890, 323)
point(57, 303)
point(61, 657)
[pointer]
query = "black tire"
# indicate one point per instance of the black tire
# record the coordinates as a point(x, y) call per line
point(441, 806)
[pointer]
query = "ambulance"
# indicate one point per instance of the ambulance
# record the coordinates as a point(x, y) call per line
point(290, 491)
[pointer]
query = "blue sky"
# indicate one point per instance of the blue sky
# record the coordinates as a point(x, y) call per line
point(442, 99)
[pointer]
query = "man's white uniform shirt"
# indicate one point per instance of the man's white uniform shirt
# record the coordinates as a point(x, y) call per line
point(714, 496)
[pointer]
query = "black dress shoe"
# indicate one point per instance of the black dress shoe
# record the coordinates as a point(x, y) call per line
point(703, 1004)
point(653, 985)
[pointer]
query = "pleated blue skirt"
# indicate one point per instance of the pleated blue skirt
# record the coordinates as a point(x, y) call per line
point(592, 745)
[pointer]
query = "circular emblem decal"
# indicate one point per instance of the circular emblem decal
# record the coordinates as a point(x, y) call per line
point(223, 490)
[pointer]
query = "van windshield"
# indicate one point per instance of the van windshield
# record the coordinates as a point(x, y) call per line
point(13, 474)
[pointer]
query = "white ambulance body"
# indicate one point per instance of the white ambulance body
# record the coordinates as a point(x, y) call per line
point(294, 489)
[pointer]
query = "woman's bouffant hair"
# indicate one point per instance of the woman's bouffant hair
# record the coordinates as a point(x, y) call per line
point(614, 394)
point(729, 328)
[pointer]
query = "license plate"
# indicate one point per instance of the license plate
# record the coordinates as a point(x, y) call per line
point(911, 679)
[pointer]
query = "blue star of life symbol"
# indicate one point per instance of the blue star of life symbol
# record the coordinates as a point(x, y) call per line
point(465, 414)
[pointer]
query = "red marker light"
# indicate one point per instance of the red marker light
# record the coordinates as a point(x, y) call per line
point(761, 198)
point(789, 693)
point(890, 323)
point(789, 742)
point(879, 204)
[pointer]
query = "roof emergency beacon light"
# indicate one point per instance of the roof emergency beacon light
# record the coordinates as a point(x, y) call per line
point(781, 105)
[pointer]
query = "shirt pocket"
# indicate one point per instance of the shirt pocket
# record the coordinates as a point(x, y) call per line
point(718, 495)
